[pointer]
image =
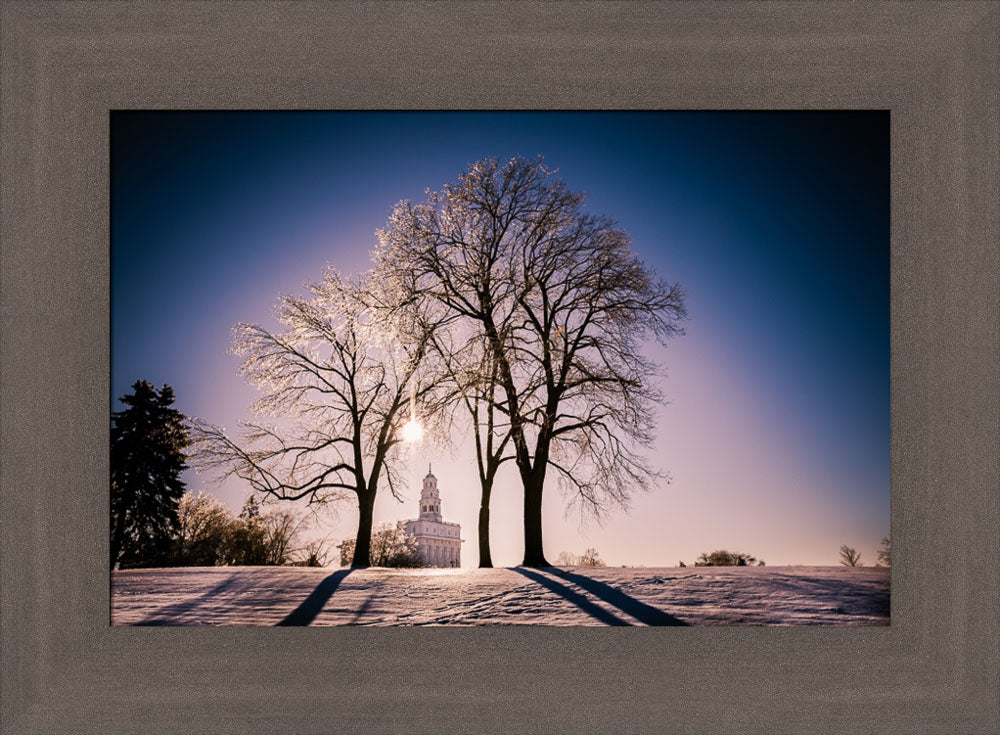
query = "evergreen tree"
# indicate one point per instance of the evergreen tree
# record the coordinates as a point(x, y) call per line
point(148, 438)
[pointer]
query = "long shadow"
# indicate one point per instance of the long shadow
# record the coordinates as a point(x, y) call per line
point(853, 598)
point(639, 610)
point(360, 612)
point(310, 607)
point(167, 615)
point(850, 586)
point(575, 597)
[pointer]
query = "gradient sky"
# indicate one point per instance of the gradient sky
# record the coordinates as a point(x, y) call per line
point(776, 224)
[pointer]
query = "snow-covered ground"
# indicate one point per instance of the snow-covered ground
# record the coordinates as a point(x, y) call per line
point(554, 596)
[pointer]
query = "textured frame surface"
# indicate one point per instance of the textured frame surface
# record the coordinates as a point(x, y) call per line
point(65, 65)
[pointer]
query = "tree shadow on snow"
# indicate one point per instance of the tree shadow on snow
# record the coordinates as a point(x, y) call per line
point(852, 597)
point(310, 607)
point(167, 615)
point(572, 596)
point(639, 610)
point(362, 610)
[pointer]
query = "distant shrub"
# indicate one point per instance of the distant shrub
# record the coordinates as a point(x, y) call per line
point(261, 539)
point(849, 557)
point(208, 534)
point(204, 526)
point(590, 558)
point(390, 547)
point(316, 553)
point(884, 559)
point(723, 558)
point(567, 559)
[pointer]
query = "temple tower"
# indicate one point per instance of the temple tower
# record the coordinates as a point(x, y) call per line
point(439, 541)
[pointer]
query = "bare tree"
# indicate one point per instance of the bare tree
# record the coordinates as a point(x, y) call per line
point(472, 370)
point(267, 538)
point(591, 558)
point(204, 527)
point(337, 386)
point(567, 559)
point(315, 553)
point(849, 557)
point(885, 553)
point(466, 369)
point(565, 305)
point(391, 547)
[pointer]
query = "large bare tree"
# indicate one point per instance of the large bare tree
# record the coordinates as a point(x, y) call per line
point(566, 308)
point(466, 371)
point(338, 384)
point(472, 372)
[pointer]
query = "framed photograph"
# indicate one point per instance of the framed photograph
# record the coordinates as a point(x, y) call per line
point(493, 402)
point(804, 194)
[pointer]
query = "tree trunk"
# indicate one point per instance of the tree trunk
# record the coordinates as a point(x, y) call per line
point(533, 554)
point(363, 541)
point(485, 558)
point(117, 538)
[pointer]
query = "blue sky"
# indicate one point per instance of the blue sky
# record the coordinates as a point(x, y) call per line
point(776, 224)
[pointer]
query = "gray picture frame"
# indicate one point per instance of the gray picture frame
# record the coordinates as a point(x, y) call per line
point(66, 64)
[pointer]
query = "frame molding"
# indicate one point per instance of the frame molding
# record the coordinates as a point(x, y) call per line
point(64, 65)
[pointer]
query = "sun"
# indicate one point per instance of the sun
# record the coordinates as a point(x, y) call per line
point(412, 431)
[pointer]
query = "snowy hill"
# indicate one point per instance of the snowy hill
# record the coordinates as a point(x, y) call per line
point(516, 596)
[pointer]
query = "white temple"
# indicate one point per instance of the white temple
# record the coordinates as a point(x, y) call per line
point(440, 542)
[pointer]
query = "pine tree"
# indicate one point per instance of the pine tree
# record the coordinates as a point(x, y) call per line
point(148, 438)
